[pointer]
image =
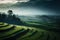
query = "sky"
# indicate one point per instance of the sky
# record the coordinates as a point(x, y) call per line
point(12, 1)
point(31, 7)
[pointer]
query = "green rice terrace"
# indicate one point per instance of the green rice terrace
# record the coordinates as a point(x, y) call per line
point(16, 32)
point(14, 27)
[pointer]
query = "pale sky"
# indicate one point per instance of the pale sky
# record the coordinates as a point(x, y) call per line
point(12, 1)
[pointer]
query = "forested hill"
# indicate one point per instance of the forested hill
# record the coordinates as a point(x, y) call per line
point(10, 18)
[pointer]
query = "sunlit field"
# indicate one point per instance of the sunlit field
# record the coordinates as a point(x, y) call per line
point(16, 32)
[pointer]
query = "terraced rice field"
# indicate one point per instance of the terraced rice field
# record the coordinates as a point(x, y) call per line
point(16, 32)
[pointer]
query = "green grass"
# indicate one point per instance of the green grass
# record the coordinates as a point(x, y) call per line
point(25, 33)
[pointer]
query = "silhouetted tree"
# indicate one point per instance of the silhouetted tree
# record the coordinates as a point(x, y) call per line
point(0, 14)
point(10, 12)
point(3, 17)
point(9, 18)
point(14, 16)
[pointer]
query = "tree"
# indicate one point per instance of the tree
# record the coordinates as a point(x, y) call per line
point(9, 18)
point(14, 16)
point(3, 17)
point(10, 12)
point(0, 14)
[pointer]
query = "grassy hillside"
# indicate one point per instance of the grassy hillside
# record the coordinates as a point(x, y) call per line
point(16, 32)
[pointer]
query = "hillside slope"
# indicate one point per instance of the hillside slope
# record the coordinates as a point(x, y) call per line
point(15, 32)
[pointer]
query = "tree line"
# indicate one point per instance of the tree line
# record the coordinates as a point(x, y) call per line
point(10, 18)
